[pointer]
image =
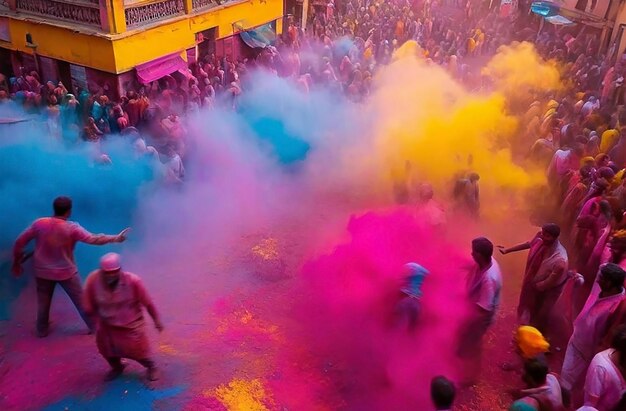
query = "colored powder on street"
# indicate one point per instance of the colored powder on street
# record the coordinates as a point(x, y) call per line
point(331, 318)
point(267, 249)
point(243, 395)
point(348, 305)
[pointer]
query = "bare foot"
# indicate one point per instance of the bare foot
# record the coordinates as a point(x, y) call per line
point(114, 373)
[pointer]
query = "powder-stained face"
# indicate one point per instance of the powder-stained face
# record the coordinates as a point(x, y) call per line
point(548, 239)
point(111, 278)
point(617, 251)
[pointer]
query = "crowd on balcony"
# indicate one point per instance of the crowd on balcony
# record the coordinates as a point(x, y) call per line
point(578, 134)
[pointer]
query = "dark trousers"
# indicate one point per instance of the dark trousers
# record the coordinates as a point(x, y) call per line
point(45, 290)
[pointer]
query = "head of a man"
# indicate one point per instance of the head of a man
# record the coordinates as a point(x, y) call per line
point(535, 372)
point(617, 246)
point(110, 265)
point(618, 342)
point(611, 278)
point(550, 233)
point(62, 207)
point(482, 250)
point(578, 150)
point(442, 393)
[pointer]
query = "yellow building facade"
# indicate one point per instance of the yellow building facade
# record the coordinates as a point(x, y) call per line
point(113, 40)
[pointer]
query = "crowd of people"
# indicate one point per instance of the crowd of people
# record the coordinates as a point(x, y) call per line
point(574, 276)
point(573, 284)
point(339, 50)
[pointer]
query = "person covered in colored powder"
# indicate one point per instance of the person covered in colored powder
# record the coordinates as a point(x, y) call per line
point(592, 324)
point(467, 194)
point(429, 207)
point(484, 284)
point(616, 254)
point(175, 170)
point(543, 389)
point(116, 299)
point(544, 277)
point(55, 238)
point(530, 343)
point(606, 377)
point(442, 393)
point(409, 306)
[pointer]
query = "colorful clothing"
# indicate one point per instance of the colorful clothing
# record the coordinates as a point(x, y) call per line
point(121, 326)
point(543, 262)
point(484, 286)
point(55, 239)
point(483, 289)
point(590, 328)
point(548, 395)
point(608, 140)
point(605, 383)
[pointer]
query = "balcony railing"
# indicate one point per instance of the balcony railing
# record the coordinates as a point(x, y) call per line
point(144, 14)
point(86, 12)
point(204, 4)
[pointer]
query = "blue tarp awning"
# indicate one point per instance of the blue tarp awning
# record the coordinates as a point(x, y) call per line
point(259, 37)
point(556, 13)
point(559, 20)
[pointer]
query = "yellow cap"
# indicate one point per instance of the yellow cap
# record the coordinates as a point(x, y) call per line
point(530, 341)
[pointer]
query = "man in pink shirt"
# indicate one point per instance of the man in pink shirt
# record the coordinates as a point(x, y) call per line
point(592, 324)
point(53, 259)
point(116, 298)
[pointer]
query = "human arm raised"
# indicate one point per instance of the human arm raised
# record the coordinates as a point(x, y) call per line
point(80, 234)
point(519, 247)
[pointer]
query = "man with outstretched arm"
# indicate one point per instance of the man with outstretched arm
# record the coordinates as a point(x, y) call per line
point(53, 259)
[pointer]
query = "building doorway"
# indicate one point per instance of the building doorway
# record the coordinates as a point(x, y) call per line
point(6, 68)
point(65, 75)
point(294, 8)
point(206, 43)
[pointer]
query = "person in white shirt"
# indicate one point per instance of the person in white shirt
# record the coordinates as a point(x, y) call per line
point(543, 388)
point(175, 171)
point(429, 208)
point(484, 284)
point(605, 381)
point(592, 324)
